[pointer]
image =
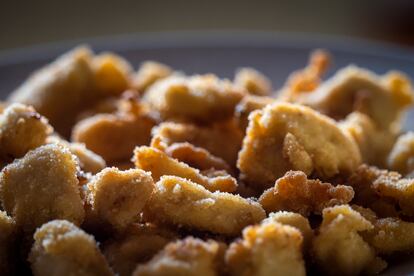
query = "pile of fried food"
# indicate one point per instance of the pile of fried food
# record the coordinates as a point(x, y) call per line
point(111, 171)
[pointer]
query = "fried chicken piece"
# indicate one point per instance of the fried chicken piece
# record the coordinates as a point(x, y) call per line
point(42, 186)
point(159, 164)
point(267, 249)
point(148, 73)
point(114, 136)
point(222, 139)
point(61, 248)
point(339, 247)
point(199, 98)
point(190, 256)
point(249, 104)
point(401, 157)
point(180, 202)
point(71, 83)
point(88, 160)
point(390, 235)
point(7, 244)
point(21, 129)
point(116, 198)
point(138, 244)
point(308, 79)
point(294, 192)
point(385, 192)
point(284, 136)
point(253, 81)
point(295, 220)
point(374, 143)
point(382, 98)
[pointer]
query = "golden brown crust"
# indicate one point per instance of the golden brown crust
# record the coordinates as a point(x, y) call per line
point(267, 249)
point(200, 98)
point(115, 198)
point(222, 139)
point(21, 129)
point(42, 186)
point(190, 256)
point(137, 245)
point(247, 105)
point(253, 81)
point(8, 237)
point(148, 73)
point(159, 164)
point(401, 157)
point(180, 202)
point(340, 247)
point(61, 248)
point(294, 192)
point(282, 132)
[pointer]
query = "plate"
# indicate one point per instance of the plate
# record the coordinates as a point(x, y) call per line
point(274, 54)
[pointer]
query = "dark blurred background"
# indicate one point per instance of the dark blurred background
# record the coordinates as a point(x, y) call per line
point(24, 23)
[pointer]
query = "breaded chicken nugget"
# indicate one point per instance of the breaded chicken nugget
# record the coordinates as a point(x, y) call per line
point(42, 186)
point(295, 220)
point(21, 129)
point(193, 156)
point(222, 139)
point(114, 136)
point(294, 192)
point(190, 256)
point(339, 247)
point(382, 98)
point(61, 248)
point(284, 137)
point(374, 143)
point(385, 192)
point(159, 164)
point(401, 157)
point(180, 202)
point(148, 73)
point(116, 198)
point(138, 244)
point(249, 104)
point(7, 246)
point(253, 81)
point(200, 98)
point(267, 249)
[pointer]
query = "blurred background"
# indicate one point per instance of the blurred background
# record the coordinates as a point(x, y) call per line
point(25, 23)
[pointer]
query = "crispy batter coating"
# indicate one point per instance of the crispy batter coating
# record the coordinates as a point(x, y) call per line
point(389, 235)
point(159, 164)
point(138, 244)
point(285, 136)
point(21, 129)
point(294, 192)
point(295, 220)
point(88, 160)
point(190, 256)
point(42, 186)
point(221, 139)
point(148, 73)
point(7, 246)
point(193, 156)
point(401, 157)
point(382, 98)
point(308, 79)
point(374, 143)
point(339, 247)
point(114, 136)
point(249, 104)
point(180, 202)
point(200, 98)
point(253, 81)
point(267, 249)
point(385, 192)
point(116, 198)
point(61, 248)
